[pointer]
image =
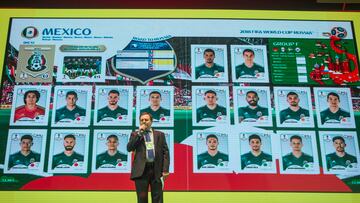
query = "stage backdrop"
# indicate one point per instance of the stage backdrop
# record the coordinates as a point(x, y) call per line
point(245, 104)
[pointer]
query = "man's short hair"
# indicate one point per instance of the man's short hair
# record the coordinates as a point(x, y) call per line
point(212, 136)
point(112, 136)
point(295, 137)
point(70, 136)
point(249, 50)
point(71, 93)
point(209, 50)
point(146, 113)
point(251, 91)
point(210, 91)
point(37, 94)
point(338, 138)
point(155, 92)
point(26, 137)
point(113, 92)
point(254, 136)
point(332, 94)
point(292, 93)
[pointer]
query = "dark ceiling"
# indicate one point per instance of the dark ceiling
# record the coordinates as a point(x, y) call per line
point(310, 5)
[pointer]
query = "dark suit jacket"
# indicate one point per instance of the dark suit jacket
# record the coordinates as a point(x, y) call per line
point(137, 145)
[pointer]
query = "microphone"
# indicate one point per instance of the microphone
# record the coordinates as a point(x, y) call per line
point(142, 129)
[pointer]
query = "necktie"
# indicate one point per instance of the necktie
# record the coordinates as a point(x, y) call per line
point(150, 155)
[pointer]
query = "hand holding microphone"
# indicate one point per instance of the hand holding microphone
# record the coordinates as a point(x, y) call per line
point(142, 128)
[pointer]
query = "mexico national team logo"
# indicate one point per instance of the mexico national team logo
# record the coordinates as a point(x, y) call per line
point(30, 32)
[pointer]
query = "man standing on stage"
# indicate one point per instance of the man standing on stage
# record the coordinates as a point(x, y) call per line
point(151, 160)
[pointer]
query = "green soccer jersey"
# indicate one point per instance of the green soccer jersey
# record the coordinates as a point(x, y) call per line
point(104, 158)
point(158, 114)
point(327, 115)
point(204, 70)
point(106, 112)
point(62, 158)
point(206, 158)
point(19, 159)
point(65, 113)
point(205, 112)
point(249, 159)
point(256, 113)
point(243, 70)
point(290, 114)
point(334, 160)
point(291, 160)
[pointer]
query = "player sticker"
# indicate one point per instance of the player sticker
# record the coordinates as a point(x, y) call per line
point(298, 152)
point(72, 106)
point(209, 63)
point(252, 106)
point(210, 106)
point(339, 152)
point(25, 151)
point(36, 64)
point(293, 107)
point(109, 152)
point(256, 153)
point(68, 151)
point(169, 136)
point(158, 101)
point(113, 105)
point(249, 63)
point(334, 108)
point(30, 106)
point(81, 68)
point(211, 152)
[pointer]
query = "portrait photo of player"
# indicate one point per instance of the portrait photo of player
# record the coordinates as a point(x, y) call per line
point(35, 63)
point(340, 152)
point(212, 152)
point(72, 106)
point(79, 68)
point(169, 136)
point(113, 105)
point(211, 104)
point(249, 63)
point(30, 106)
point(253, 106)
point(298, 152)
point(68, 151)
point(209, 63)
point(25, 152)
point(110, 151)
point(334, 107)
point(293, 107)
point(158, 101)
point(256, 153)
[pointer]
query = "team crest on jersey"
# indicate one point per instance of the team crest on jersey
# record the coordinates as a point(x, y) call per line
point(74, 161)
point(348, 162)
point(219, 161)
point(219, 114)
point(118, 160)
point(32, 160)
point(302, 115)
point(259, 113)
point(77, 115)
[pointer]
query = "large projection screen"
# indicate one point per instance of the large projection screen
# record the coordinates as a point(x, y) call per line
point(246, 103)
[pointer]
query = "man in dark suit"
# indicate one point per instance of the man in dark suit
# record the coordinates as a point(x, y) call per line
point(151, 160)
